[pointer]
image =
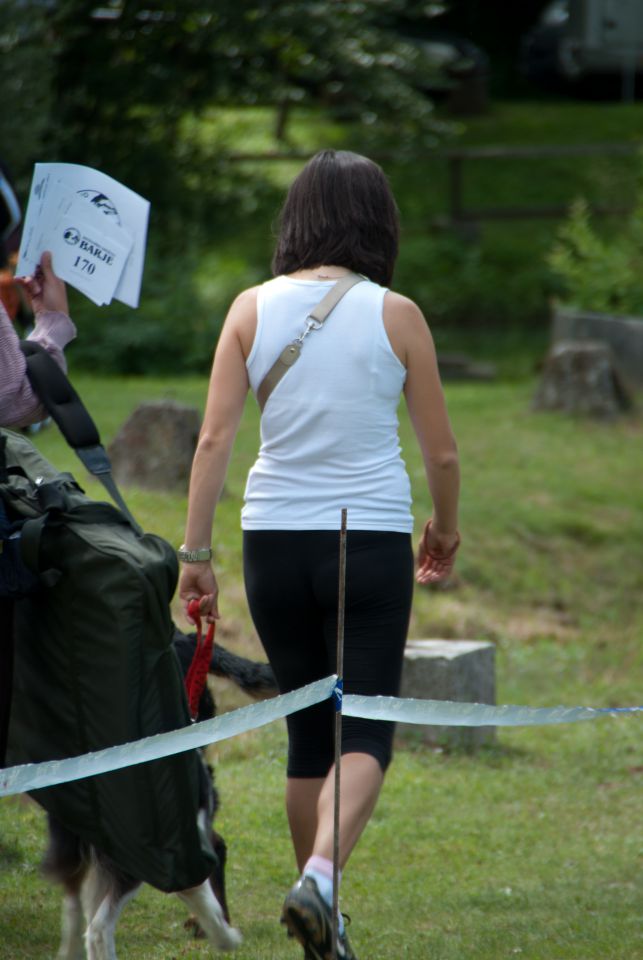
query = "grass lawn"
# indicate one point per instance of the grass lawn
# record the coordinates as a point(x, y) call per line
point(528, 849)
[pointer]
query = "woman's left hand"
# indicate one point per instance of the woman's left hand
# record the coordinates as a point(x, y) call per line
point(436, 555)
point(198, 582)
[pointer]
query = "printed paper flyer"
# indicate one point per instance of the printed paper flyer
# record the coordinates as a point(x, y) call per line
point(95, 228)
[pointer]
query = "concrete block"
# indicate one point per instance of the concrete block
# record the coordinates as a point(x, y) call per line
point(461, 670)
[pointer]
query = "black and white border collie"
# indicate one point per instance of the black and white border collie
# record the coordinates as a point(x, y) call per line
point(96, 890)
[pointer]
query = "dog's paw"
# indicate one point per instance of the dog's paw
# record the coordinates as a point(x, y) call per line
point(228, 938)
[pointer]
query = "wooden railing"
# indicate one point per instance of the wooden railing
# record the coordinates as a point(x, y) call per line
point(455, 159)
point(459, 213)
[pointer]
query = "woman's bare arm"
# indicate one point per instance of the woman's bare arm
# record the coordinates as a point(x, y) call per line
point(226, 397)
point(412, 342)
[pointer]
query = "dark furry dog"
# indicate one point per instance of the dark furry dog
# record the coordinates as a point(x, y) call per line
point(96, 890)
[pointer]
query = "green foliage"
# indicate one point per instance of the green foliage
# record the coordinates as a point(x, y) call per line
point(600, 272)
point(457, 280)
point(26, 100)
point(127, 78)
point(485, 290)
point(482, 283)
point(178, 323)
point(495, 277)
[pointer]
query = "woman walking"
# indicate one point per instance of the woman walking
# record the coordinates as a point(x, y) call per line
point(329, 439)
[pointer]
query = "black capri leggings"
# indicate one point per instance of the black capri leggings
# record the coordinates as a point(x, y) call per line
point(291, 581)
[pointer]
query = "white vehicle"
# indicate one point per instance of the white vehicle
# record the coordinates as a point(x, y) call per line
point(576, 40)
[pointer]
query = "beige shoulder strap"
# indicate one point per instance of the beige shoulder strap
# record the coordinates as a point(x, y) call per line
point(290, 354)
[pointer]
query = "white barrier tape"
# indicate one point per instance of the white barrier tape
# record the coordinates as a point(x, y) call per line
point(34, 776)
point(447, 713)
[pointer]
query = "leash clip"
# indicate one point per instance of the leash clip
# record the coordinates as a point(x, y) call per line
point(338, 694)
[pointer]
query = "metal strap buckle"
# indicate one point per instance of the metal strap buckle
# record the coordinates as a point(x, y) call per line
point(311, 324)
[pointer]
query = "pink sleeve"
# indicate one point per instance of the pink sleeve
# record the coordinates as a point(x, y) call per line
point(54, 331)
point(18, 403)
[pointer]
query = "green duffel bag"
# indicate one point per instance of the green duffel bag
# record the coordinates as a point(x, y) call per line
point(94, 667)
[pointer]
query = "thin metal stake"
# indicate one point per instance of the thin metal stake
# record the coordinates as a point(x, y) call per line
point(338, 721)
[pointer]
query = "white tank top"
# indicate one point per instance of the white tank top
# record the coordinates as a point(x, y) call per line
point(329, 431)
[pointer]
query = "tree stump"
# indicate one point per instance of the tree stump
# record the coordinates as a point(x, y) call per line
point(155, 446)
point(623, 334)
point(580, 377)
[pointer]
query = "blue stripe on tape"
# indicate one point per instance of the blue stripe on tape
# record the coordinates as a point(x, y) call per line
point(35, 776)
point(447, 713)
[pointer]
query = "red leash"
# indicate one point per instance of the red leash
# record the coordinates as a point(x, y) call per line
point(197, 675)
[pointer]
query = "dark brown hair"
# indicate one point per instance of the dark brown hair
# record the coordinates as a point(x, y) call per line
point(339, 211)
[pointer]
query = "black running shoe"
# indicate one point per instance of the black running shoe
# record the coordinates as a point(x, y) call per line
point(309, 919)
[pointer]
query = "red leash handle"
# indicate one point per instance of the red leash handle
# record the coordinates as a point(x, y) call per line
point(197, 674)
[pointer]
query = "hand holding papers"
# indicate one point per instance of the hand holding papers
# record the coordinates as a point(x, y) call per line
point(94, 227)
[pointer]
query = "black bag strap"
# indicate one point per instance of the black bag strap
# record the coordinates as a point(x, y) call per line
point(72, 417)
point(30, 537)
point(3, 458)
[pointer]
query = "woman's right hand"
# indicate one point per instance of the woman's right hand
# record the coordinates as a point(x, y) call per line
point(45, 290)
point(198, 582)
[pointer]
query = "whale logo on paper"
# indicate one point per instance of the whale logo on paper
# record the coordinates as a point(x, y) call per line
point(102, 202)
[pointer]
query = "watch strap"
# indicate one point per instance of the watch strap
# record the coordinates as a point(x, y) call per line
point(194, 556)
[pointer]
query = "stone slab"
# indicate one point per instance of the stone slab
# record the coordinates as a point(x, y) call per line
point(459, 670)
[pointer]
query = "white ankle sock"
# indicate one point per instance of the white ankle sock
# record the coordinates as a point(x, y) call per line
point(321, 871)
